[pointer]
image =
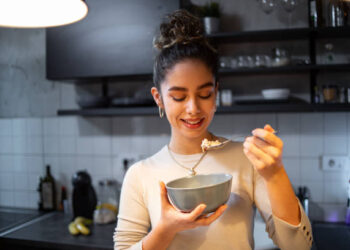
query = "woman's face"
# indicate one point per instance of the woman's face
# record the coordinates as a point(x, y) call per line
point(188, 96)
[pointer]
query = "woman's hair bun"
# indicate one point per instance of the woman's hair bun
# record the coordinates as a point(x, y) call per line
point(180, 28)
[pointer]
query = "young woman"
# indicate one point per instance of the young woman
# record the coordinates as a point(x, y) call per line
point(185, 77)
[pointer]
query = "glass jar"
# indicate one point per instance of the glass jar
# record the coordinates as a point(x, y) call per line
point(109, 192)
point(108, 201)
point(280, 57)
point(330, 93)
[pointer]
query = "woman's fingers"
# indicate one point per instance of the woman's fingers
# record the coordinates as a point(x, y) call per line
point(258, 153)
point(205, 221)
point(254, 160)
point(265, 147)
point(269, 128)
point(195, 213)
point(163, 195)
point(268, 136)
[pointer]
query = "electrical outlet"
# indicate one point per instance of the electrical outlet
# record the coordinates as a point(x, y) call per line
point(334, 163)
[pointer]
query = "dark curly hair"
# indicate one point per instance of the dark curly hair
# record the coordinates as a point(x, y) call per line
point(182, 37)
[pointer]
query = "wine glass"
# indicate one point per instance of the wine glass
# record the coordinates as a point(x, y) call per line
point(289, 6)
point(267, 5)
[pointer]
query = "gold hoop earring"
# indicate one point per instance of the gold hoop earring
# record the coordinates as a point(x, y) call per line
point(161, 112)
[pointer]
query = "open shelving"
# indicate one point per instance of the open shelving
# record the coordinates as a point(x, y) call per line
point(308, 34)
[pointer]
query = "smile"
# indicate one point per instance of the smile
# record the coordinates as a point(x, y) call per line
point(193, 123)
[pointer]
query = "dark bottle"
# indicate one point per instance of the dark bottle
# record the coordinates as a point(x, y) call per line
point(39, 189)
point(48, 192)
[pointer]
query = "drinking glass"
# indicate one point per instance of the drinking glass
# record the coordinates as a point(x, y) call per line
point(267, 5)
point(289, 7)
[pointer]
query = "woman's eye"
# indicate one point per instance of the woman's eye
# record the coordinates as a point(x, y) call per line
point(205, 96)
point(178, 99)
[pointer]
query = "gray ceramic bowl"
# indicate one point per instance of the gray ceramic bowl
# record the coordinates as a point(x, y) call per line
point(213, 190)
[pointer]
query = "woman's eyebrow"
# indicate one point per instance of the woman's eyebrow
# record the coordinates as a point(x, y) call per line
point(177, 89)
point(205, 85)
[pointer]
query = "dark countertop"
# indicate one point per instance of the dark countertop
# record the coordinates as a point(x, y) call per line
point(51, 232)
point(12, 217)
point(329, 236)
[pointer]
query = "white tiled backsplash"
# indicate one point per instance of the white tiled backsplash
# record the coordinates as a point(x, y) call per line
point(99, 145)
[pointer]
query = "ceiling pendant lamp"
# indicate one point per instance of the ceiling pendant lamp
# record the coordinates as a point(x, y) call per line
point(41, 13)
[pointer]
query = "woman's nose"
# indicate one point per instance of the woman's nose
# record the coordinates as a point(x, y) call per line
point(192, 106)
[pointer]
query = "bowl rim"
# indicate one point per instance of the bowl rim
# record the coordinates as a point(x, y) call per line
point(174, 188)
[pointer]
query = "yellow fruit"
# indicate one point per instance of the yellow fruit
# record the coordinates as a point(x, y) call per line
point(72, 228)
point(109, 206)
point(82, 228)
point(83, 220)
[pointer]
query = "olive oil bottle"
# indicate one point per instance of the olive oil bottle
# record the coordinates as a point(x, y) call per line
point(48, 192)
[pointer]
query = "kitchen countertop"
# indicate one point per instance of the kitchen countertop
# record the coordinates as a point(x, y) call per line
point(51, 232)
point(12, 217)
point(331, 236)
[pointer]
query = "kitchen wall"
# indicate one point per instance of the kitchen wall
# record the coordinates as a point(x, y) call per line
point(32, 135)
point(99, 145)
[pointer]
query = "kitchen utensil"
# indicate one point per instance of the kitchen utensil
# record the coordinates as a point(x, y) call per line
point(223, 143)
point(213, 190)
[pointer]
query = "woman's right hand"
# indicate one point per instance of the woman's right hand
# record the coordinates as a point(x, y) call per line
point(174, 221)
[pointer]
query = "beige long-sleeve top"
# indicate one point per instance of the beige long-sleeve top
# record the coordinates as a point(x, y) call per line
point(140, 205)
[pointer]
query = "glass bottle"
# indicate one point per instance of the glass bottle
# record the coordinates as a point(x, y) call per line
point(48, 191)
point(313, 15)
point(335, 13)
point(316, 94)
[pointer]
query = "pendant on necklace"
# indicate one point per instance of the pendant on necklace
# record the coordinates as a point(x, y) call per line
point(192, 172)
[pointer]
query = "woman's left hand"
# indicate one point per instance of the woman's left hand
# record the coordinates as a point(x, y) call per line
point(264, 150)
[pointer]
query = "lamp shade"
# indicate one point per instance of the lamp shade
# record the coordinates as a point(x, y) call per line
point(41, 13)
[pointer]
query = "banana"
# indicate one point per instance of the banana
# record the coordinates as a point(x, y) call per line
point(83, 220)
point(72, 228)
point(82, 228)
point(109, 206)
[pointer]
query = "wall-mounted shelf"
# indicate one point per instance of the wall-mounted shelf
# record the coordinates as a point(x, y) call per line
point(285, 69)
point(308, 34)
point(241, 108)
point(280, 35)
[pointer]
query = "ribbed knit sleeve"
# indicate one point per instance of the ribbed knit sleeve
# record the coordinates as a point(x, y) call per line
point(133, 217)
point(286, 236)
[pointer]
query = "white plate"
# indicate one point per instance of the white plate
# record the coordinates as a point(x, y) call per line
point(275, 94)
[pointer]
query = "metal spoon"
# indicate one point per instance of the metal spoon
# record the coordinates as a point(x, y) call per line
point(222, 144)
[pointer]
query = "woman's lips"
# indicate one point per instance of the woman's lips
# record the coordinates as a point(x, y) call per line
point(193, 124)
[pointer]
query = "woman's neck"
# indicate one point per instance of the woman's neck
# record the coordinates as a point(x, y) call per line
point(184, 145)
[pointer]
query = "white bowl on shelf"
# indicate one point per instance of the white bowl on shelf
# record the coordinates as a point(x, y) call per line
point(275, 94)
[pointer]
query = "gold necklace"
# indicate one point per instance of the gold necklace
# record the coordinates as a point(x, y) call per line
point(191, 170)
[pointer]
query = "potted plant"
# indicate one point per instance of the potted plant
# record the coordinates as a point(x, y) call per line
point(210, 13)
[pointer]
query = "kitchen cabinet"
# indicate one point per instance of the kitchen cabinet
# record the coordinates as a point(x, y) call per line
point(310, 35)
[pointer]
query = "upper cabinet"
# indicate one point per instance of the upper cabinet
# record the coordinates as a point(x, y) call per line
point(113, 41)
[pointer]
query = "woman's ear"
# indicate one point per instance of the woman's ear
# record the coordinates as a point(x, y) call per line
point(157, 97)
